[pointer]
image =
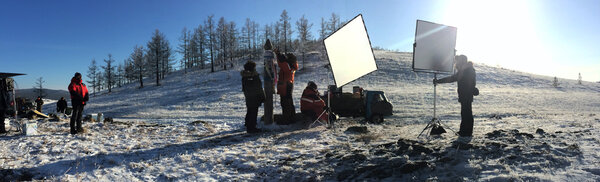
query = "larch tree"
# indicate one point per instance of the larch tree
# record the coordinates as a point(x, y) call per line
point(39, 87)
point(209, 25)
point(109, 71)
point(286, 29)
point(304, 35)
point(92, 76)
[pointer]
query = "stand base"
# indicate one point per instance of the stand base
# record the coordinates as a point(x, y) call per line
point(435, 127)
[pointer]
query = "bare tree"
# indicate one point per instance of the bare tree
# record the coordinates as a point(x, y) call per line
point(39, 87)
point(247, 36)
point(209, 24)
point(92, 75)
point(277, 35)
point(268, 32)
point(232, 38)
point(109, 71)
point(198, 45)
point(323, 31)
point(184, 49)
point(222, 40)
point(120, 74)
point(303, 34)
point(139, 64)
point(334, 22)
point(286, 29)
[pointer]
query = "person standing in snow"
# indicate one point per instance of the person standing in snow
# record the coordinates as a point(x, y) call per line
point(465, 78)
point(4, 103)
point(311, 103)
point(287, 69)
point(61, 105)
point(39, 103)
point(254, 94)
point(270, 78)
point(79, 97)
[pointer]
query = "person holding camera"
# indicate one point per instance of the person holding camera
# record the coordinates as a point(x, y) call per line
point(79, 97)
point(465, 78)
point(254, 94)
point(288, 65)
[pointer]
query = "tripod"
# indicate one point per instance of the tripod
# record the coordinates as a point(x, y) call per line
point(435, 123)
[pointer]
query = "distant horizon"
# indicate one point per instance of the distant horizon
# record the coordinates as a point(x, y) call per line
point(55, 39)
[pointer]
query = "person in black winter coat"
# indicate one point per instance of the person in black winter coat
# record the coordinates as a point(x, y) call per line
point(254, 94)
point(39, 103)
point(61, 105)
point(4, 103)
point(465, 78)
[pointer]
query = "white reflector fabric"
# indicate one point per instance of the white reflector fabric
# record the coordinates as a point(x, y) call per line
point(434, 48)
point(349, 51)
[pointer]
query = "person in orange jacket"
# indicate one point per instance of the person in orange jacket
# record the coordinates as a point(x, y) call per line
point(79, 97)
point(285, 85)
point(311, 104)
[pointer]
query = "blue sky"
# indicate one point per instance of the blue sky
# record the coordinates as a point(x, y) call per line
point(54, 39)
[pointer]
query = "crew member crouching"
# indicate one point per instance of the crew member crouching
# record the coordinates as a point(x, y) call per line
point(311, 104)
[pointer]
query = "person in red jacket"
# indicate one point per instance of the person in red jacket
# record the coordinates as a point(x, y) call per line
point(79, 95)
point(285, 85)
point(311, 104)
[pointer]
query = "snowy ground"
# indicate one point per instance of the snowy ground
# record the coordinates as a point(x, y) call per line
point(191, 128)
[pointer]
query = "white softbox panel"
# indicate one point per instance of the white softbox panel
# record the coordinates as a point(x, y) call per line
point(349, 52)
point(434, 48)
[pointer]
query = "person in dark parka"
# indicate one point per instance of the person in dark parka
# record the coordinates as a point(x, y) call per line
point(4, 103)
point(79, 97)
point(254, 94)
point(39, 103)
point(61, 105)
point(466, 81)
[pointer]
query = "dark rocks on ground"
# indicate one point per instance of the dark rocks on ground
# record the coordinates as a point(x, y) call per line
point(108, 120)
point(354, 158)
point(495, 134)
point(540, 131)
point(357, 129)
point(413, 166)
point(495, 116)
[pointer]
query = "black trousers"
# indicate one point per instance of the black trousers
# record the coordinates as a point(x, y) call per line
point(251, 114)
point(287, 105)
point(61, 110)
point(76, 118)
point(2, 129)
point(466, 116)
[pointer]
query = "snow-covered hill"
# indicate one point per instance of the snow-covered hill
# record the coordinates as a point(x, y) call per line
point(191, 128)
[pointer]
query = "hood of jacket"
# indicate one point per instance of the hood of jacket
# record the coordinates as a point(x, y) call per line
point(74, 80)
point(246, 73)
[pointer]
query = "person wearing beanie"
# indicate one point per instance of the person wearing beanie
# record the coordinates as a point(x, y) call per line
point(466, 81)
point(79, 97)
point(270, 79)
point(287, 69)
point(311, 104)
point(254, 94)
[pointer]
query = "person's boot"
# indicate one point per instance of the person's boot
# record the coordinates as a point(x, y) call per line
point(73, 131)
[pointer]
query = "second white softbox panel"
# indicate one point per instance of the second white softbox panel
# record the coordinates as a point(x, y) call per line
point(434, 47)
point(349, 52)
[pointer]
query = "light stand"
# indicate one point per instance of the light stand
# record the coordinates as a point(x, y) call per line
point(435, 122)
